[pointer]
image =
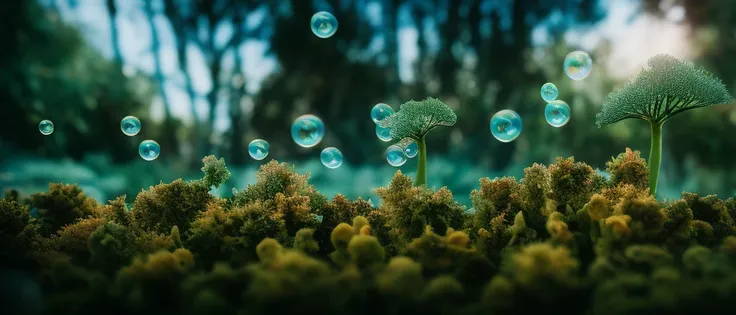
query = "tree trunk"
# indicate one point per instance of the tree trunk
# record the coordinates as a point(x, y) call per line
point(112, 11)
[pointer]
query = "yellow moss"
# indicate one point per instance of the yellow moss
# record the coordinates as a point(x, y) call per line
point(268, 250)
point(365, 251)
point(358, 223)
point(519, 224)
point(729, 245)
point(598, 207)
point(619, 224)
point(341, 235)
point(457, 238)
point(542, 262)
point(559, 231)
point(366, 230)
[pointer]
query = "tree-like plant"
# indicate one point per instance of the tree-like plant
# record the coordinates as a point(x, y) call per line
point(668, 87)
point(414, 120)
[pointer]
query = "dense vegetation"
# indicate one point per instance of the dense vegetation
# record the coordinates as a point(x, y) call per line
point(563, 239)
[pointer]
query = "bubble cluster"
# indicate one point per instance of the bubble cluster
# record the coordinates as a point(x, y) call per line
point(578, 65)
point(395, 156)
point(383, 133)
point(557, 113)
point(549, 92)
point(130, 125)
point(324, 24)
point(331, 157)
point(380, 112)
point(46, 127)
point(506, 125)
point(307, 130)
point(258, 149)
point(411, 149)
point(149, 150)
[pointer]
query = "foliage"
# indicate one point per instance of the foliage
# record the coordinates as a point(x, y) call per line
point(415, 119)
point(557, 237)
point(61, 205)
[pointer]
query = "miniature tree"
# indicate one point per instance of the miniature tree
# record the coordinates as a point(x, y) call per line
point(414, 121)
point(668, 87)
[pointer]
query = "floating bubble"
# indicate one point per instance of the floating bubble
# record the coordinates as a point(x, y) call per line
point(549, 92)
point(130, 125)
point(578, 65)
point(318, 218)
point(383, 133)
point(307, 130)
point(149, 150)
point(324, 24)
point(395, 156)
point(380, 112)
point(258, 149)
point(235, 191)
point(411, 149)
point(557, 113)
point(46, 127)
point(470, 211)
point(331, 157)
point(506, 125)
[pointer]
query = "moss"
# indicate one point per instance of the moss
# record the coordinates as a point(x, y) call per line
point(274, 178)
point(365, 251)
point(19, 234)
point(496, 197)
point(72, 239)
point(571, 183)
point(629, 168)
point(62, 204)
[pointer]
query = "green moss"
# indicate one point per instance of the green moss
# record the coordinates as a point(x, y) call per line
point(61, 205)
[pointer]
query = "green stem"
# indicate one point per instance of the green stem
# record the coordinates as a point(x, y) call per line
point(655, 156)
point(422, 164)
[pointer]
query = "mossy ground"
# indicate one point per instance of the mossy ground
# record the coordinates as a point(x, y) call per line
point(561, 240)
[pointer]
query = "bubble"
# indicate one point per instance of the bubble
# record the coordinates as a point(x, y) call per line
point(549, 92)
point(307, 130)
point(130, 125)
point(331, 157)
point(395, 156)
point(506, 125)
point(578, 65)
point(324, 24)
point(557, 113)
point(46, 127)
point(411, 149)
point(383, 133)
point(258, 149)
point(318, 218)
point(149, 150)
point(380, 112)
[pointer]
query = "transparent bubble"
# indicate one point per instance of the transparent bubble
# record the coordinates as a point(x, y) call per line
point(395, 156)
point(578, 65)
point(318, 218)
point(258, 149)
point(149, 150)
point(130, 125)
point(383, 133)
point(307, 130)
point(46, 127)
point(557, 113)
point(324, 24)
point(506, 125)
point(411, 149)
point(549, 92)
point(380, 112)
point(331, 157)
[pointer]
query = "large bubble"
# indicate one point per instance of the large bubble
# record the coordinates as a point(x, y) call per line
point(578, 65)
point(149, 150)
point(331, 157)
point(46, 127)
point(395, 156)
point(307, 130)
point(506, 125)
point(324, 24)
point(258, 149)
point(130, 125)
point(557, 113)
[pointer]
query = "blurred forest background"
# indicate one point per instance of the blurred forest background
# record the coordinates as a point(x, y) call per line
point(209, 76)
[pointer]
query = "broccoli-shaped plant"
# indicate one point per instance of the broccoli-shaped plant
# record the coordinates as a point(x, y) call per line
point(668, 87)
point(414, 121)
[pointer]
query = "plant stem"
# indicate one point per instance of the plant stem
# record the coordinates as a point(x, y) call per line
point(655, 156)
point(422, 164)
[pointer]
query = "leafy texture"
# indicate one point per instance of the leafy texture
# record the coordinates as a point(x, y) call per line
point(560, 240)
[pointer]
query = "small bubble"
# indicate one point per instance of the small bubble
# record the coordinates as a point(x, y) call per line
point(149, 150)
point(307, 130)
point(411, 149)
point(549, 92)
point(130, 125)
point(380, 112)
point(324, 24)
point(395, 156)
point(383, 133)
point(331, 157)
point(506, 125)
point(557, 113)
point(46, 127)
point(578, 65)
point(470, 211)
point(258, 149)
point(318, 218)
point(235, 191)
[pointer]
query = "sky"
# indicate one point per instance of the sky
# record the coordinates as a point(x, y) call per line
point(635, 38)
